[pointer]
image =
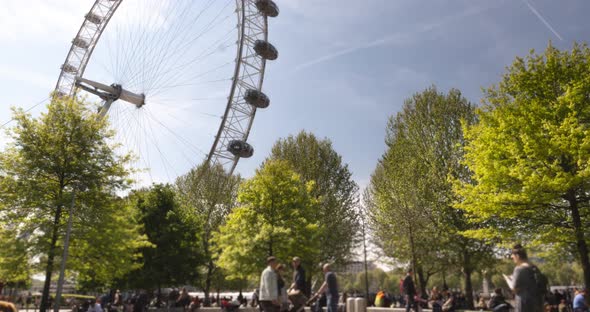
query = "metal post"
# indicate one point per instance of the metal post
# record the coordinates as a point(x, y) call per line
point(62, 269)
point(365, 252)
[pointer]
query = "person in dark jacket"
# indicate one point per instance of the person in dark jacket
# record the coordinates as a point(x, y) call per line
point(299, 277)
point(409, 291)
point(298, 293)
point(498, 303)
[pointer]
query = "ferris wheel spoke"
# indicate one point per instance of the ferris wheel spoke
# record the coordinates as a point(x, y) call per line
point(182, 68)
point(208, 72)
point(146, 143)
point(165, 41)
point(179, 137)
point(168, 77)
point(202, 99)
point(132, 58)
point(187, 123)
point(184, 48)
point(186, 65)
point(153, 137)
point(178, 52)
point(190, 159)
point(161, 90)
point(152, 23)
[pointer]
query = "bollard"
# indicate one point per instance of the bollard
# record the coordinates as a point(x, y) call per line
point(360, 305)
point(350, 305)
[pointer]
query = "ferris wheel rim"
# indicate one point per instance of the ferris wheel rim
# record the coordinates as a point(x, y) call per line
point(94, 25)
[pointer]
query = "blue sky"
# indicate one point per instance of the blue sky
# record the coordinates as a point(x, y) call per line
point(344, 66)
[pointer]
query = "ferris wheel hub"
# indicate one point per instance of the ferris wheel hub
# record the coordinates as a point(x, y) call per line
point(110, 93)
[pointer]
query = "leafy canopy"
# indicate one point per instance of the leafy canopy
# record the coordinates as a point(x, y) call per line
point(276, 217)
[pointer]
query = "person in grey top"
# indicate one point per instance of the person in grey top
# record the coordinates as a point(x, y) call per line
point(330, 287)
point(522, 282)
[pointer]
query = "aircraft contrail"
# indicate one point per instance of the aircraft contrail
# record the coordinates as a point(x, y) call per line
point(532, 8)
point(398, 37)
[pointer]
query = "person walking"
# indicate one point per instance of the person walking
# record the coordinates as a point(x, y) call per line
point(298, 277)
point(269, 289)
point(96, 307)
point(298, 291)
point(330, 287)
point(523, 283)
point(580, 301)
point(409, 291)
point(184, 300)
point(283, 298)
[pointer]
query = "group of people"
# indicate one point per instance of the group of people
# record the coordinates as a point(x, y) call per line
point(527, 283)
point(274, 296)
point(116, 302)
point(445, 301)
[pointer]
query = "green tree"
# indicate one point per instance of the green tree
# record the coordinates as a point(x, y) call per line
point(335, 190)
point(210, 194)
point(276, 217)
point(47, 158)
point(402, 227)
point(530, 154)
point(412, 186)
point(15, 260)
point(175, 255)
point(105, 252)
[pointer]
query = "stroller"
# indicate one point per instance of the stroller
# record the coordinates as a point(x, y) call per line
point(317, 303)
point(298, 300)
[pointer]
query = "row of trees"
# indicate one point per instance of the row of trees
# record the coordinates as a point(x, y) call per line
point(410, 198)
point(455, 186)
point(205, 229)
point(48, 162)
point(458, 183)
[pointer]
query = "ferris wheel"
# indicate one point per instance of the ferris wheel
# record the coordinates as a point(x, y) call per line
point(155, 65)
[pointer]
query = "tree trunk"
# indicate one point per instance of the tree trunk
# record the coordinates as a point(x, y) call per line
point(579, 233)
point(207, 299)
point(50, 256)
point(159, 295)
point(422, 281)
point(413, 251)
point(467, 274)
point(272, 227)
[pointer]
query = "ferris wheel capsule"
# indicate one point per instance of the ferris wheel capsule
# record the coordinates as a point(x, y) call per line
point(256, 98)
point(266, 50)
point(267, 7)
point(69, 68)
point(240, 149)
point(80, 43)
point(93, 18)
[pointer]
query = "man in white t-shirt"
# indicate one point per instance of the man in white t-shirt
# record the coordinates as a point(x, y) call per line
point(269, 289)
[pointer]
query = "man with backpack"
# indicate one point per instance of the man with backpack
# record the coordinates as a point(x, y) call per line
point(527, 282)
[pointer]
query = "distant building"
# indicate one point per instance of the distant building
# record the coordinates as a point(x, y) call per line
point(354, 267)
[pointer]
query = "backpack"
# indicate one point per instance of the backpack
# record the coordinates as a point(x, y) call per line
point(541, 281)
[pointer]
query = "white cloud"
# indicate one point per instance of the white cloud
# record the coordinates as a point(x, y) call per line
point(30, 78)
point(40, 19)
point(48, 20)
